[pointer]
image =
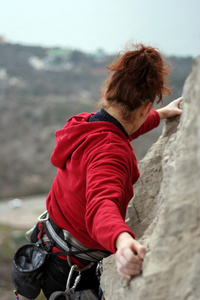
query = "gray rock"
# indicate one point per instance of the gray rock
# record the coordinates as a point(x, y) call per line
point(165, 212)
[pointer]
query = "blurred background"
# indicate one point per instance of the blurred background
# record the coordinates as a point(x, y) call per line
point(53, 57)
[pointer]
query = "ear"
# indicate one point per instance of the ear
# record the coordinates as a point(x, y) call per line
point(146, 108)
point(105, 94)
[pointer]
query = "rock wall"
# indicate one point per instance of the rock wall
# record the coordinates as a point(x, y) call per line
point(165, 213)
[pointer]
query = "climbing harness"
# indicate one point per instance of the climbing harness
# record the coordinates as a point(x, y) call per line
point(67, 242)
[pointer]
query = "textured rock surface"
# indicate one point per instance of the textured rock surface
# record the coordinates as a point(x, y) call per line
point(165, 213)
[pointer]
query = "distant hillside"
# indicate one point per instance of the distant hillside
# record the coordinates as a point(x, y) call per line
point(40, 88)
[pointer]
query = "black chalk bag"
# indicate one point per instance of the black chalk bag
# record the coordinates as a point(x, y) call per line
point(27, 270)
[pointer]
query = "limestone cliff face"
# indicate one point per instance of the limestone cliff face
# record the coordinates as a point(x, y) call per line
point(165, 212)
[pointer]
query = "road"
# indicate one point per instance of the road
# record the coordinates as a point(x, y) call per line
point(24, 216)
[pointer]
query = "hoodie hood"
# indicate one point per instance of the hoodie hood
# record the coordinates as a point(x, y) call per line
point(74, 133)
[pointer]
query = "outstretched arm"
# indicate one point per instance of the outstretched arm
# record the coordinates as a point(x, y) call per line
point(171, 110)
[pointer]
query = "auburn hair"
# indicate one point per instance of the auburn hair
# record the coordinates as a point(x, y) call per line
point(136, 77)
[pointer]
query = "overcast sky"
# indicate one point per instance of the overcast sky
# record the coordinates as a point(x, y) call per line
point(171, 25)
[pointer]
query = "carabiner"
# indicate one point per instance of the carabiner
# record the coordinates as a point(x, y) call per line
point(73, 268)
point(43, 217)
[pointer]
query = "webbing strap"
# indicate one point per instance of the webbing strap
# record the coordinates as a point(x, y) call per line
point(96, 254)
point(78, 249)
point(56, 237)
point(76, 246)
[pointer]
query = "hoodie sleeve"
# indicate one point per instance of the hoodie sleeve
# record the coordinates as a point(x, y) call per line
point(152, 121)
point(108, 192)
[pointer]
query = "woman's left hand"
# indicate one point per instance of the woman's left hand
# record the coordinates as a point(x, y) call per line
point(171, 110)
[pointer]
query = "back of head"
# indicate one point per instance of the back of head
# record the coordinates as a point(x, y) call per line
point(136, 77)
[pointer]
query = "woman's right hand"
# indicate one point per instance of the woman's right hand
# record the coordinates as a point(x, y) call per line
point(171, 110)
point(129, 256)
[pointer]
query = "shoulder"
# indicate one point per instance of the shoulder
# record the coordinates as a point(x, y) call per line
point(108, 146)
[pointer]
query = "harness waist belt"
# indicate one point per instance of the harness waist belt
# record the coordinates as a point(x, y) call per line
point(75, 246)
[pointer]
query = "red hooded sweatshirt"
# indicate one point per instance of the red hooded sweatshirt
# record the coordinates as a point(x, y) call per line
point(97, 168)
